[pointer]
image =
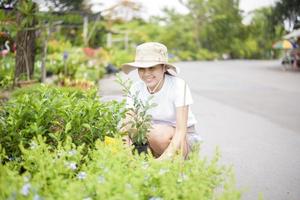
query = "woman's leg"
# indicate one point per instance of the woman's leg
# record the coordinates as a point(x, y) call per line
point(160, 137)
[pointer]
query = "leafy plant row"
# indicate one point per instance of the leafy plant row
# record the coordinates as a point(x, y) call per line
point(56, 113)
point(109, 171)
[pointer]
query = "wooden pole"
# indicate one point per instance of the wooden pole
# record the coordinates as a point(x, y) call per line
point(85, 30)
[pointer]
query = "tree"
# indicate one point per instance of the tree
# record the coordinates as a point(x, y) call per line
point(216, 25)
point(287, 10)
point(263, 31)
point(26, 18)
point(199, 15)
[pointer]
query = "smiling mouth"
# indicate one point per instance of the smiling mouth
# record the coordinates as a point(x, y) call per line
point(149, 79)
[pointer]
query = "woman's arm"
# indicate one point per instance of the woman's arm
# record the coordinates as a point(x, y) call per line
point(178, 141)
point(125, 128)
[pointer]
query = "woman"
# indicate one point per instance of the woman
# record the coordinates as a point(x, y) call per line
point(172, 117)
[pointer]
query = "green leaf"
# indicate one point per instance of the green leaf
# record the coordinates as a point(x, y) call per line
point(68, 127)
point(85, 125)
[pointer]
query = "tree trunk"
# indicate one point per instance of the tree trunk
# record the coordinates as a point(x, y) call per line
point(44, 55)
point(25, 50)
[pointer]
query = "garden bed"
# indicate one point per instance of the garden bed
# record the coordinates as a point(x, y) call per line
point(60, 143)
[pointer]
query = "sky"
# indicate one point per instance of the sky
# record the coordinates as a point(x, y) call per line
point(153, 7)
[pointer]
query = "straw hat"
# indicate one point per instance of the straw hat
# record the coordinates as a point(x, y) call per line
point(150, 54)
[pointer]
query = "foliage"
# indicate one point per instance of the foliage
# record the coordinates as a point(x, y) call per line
point(6, 72)
point(262, 32)
point(218, 24)
point(90, 73)
point(119, 57)
point(57, 113)
point(287, 11)
point(64, 5)
point(28, 9)
point(139, 122)
point(58, 46)
point(110, 171)
point(74, 64)
point(185, 55)
point(204, 54)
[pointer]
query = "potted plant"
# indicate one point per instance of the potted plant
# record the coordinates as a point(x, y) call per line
point(138, 120)
point(140, 123)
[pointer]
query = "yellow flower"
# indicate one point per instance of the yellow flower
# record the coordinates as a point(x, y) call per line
point(110, 141)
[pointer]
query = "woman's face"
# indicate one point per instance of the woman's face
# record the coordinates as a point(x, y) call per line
point(152, 75)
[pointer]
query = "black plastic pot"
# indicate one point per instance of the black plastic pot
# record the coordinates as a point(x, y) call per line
point(140, 148)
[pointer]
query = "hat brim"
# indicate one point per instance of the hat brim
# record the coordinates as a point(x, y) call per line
point(128, 67)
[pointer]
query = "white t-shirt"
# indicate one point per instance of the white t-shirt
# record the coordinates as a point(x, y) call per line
point(170, 96)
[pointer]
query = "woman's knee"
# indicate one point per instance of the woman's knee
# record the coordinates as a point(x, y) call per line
point(160, 136)
point(161, 133)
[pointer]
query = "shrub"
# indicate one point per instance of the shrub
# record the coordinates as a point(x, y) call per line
point(205, 54)
point(6, 71)
point(56, 113)
point(110, 171)
point(75, 65)
point(119, 57)
point(55, 46)
point(185, 55)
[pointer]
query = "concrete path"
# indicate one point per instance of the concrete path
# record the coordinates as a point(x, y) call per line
point(251, 110)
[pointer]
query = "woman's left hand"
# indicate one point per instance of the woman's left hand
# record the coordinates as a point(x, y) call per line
point(164, 156)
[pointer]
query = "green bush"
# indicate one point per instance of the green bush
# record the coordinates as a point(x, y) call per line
point(204, 54)
point(55, 46)
point(110, 171)
point(77, 65)
point(6, 71)
point(56, 63)
point(93, 73)
point(119, 57)
point(56, 113)
point(185, 55)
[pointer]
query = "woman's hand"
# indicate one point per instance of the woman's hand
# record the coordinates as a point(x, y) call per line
point(126, 140)
point(164, 157)
point(168, 153)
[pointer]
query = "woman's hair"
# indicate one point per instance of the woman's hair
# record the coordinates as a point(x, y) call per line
point(166, 72)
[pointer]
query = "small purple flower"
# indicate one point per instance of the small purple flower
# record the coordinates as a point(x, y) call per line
point(37, 197)
point(163, 171)
point(26, 189)
point(72, 152)
point(155, 198)
point(101, 179)
point(33, 145)
point(81, 175)
point(72, 165)
point(65, 55)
